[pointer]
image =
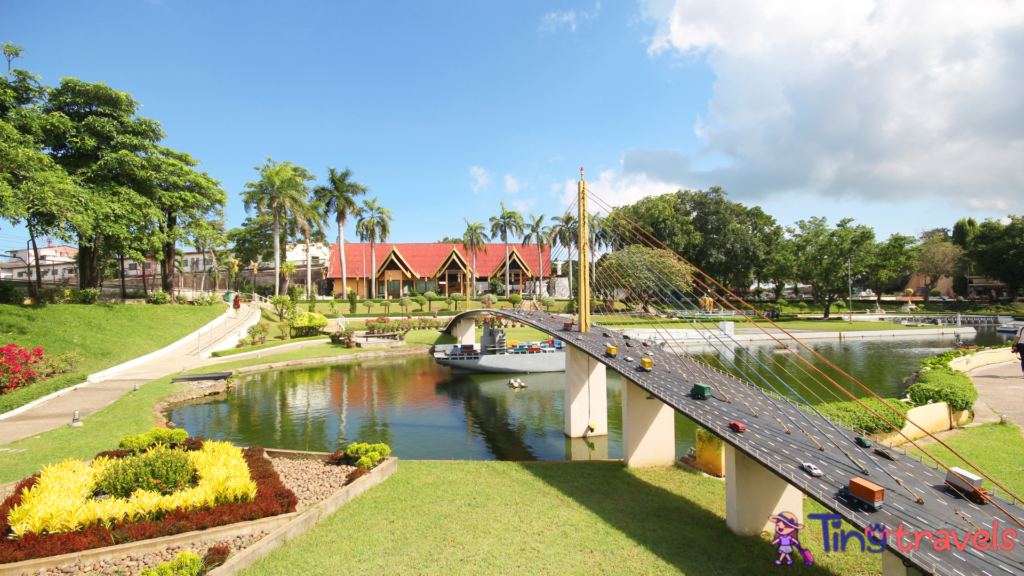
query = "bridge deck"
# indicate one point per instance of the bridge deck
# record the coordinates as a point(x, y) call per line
point(768, 443)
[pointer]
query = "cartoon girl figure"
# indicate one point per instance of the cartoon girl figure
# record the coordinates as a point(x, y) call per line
point(786, 529)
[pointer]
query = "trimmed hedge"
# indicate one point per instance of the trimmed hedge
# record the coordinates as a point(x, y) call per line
point(853, 414)
point(944, 385)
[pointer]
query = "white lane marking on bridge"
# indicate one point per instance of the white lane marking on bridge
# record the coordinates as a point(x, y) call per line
point(1005, 568)
point(960, 557)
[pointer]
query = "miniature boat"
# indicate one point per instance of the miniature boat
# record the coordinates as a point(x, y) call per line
point(496, 355)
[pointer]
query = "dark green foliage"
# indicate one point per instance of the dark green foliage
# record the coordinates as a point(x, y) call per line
point(161, 471)
point(9, 294)
point(853, 414)
point(158, 297)
point(88, 295)
point(495, 286)
point(422, 301)
point(352, 301)
point(944, 385)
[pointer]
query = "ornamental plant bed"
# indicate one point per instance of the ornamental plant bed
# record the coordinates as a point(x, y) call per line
point(37, 521)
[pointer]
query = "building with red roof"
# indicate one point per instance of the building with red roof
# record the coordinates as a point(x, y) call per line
point(441, 268)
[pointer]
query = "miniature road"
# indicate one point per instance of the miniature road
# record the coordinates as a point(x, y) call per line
point(767, 441)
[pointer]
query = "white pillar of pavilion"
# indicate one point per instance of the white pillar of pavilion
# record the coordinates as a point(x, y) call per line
point(586, 395)
point(753, 494)
point(648, 428)
point(465, 331)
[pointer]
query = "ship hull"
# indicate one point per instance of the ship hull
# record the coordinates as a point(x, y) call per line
point(508, 363)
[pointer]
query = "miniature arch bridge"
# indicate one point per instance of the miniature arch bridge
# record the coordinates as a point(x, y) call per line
point(763, 474)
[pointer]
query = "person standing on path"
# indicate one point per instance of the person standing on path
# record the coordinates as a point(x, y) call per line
point(237, 304)
point(1016, 348)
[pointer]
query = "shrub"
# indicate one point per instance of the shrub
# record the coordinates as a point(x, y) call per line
point(944, 385)
point(9, 294)
point(60, 296)
point(548, 302)
point(215, 556)
point(20, 367)
point(852, 414)
point(88, 295)
point(364, 462)
point(184, 564)
point(421, 300)
point(935, 293)
point(282, 305)
point(352, 302)
point(180, 299)
point(307, 323)
point(495, 286)
point(158, 297)
point(257, 331)
point(515, 299)
point(161, 471)
point(154, 436)
point(405, 303)
point(570, 306)
point(489, 300)
point(457, 297)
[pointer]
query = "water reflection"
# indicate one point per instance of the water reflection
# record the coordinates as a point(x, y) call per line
point(426, 412)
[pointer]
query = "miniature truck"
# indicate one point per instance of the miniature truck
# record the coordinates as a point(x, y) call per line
point(611, 351)
point(567, 325)
point(700, 391)
point(646, 364)
point(967, 485)
point(868, 493)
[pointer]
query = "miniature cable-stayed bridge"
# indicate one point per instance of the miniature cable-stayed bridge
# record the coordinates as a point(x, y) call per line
point(782, 430)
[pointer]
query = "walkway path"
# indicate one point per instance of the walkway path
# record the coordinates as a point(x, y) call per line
point(1001, 391)
point(90, 399)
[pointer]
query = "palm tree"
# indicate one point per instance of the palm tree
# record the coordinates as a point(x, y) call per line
point(508, 223)
point(374, 226)
point(280, 190)
point(565, 235)
point(310, 217)
point(338, 197)
point(287, 268)
point(537, 232)
point(474, 239)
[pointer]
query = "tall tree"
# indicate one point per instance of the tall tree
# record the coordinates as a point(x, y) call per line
point(781, 268)
point(937, 257)
point(889, 264)
point(374, 225)
point(338, 197)
point(507, 223)
point(280, 190)
point(643, 274)
point(824, 254)
point(998, 252)
point(312, 220)
point(474, 239)
point(537, 233)
point(963, 236)
point(566, 234)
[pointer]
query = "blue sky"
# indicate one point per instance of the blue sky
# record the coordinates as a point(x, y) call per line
point(445, 108)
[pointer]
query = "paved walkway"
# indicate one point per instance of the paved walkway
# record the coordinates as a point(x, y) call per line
point(90, 399)
point(1000, 391)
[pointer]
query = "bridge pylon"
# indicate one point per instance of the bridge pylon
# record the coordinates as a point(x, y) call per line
point(583, 248)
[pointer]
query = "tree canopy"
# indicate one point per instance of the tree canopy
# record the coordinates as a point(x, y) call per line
point(827, 257)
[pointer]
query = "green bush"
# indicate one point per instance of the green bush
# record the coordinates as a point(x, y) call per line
point(282, 305)
point(935, 293)
point(515, 299)
point(364, 462)
point(154, 436)
point(163, 471)
point(853, 414)
point(88, 295)
point(307, 324)
point(548, 302)
point(421, 300)
point(374, 457)
point(9, 294)
point(158, 297)
point(495, 286)
point(944, 385)
point(180, 299)
point(184, 564)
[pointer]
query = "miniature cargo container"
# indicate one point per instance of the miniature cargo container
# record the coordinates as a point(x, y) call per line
point(611, 351)
point(967, 484)
point(646, 364)
point(567, 326)
point(869, 493)
point(701, 391)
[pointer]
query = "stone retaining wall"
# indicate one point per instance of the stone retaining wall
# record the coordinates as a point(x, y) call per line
point(933, 418)
point(983, 358)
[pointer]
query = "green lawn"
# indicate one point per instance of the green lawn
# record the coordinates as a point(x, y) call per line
point(995, 448)
point(480, 518)
point(105, 335)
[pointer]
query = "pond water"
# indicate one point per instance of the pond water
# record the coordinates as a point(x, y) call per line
point(424, 411)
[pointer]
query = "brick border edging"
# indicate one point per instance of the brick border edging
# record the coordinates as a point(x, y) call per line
point(284, 527)
point(306, 520)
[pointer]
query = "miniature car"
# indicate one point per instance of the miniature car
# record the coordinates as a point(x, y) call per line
point(629, 358)
point(811, 469)
point(886, 454)
point(737, 427)
point(862, 442)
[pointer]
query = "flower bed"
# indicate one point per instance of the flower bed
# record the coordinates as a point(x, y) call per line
point(39, 520)
point(21, 367)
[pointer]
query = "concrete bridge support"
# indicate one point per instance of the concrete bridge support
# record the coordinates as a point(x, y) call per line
point(753, 494)
point(892, 565)
point(648, 428)
point(465, 331)
point(586, 395)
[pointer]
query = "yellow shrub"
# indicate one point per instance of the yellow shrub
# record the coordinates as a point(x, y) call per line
point(62, 499)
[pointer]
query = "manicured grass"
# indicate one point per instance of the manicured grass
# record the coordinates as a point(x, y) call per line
point(994, 448)
point(105, 335)
point(566, 518)
point(274, 344)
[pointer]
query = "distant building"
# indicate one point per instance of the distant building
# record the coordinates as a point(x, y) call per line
point(441, 268)
point(55, 263)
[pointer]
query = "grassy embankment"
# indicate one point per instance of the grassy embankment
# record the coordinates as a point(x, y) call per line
point(105, 335)
point(995, 448)
point(572, 518)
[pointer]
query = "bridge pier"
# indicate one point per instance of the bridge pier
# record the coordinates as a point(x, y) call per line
point(892, 565)
point(586, 395)
point(648, 428)
point(465, 331)
point(753, 494)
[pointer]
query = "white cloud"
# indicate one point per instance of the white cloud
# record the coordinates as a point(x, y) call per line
point(512, 185)
point(552, 21)
point(612, 188)
point(524, 206)
point(481, 178)
point(876, 99)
